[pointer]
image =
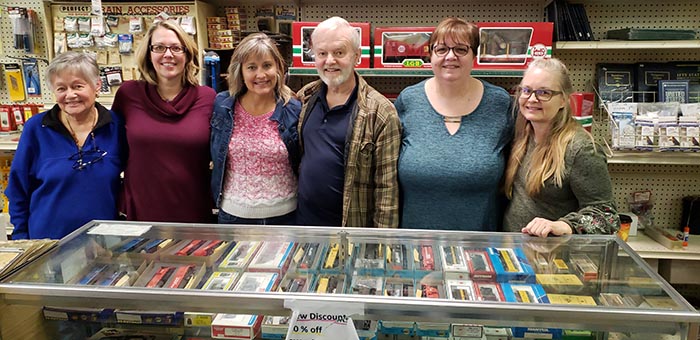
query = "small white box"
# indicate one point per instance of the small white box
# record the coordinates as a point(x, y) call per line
point(235, 326)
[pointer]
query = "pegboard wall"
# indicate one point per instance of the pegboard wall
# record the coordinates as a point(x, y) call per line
point(50, 15)
point(607, 15)
point(669, 183)
point(40, 47)
point(423, 14)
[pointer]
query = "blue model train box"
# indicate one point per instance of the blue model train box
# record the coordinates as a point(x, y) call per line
point(524, 293)
point(397, 327)
point(529, 293)
point(511, 265)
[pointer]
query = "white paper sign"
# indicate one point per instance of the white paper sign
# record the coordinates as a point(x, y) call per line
point(119, 229)
point(312, 320)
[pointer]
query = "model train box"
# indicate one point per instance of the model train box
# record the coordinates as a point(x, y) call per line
point(511, 265)
point(302, 54)
point(582, 108)
point(402, 47)
point(512, 45)
point(236, 326)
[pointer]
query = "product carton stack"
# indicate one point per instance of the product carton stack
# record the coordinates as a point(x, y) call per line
point(220, 37)
point(225, 32)
point(236, 20)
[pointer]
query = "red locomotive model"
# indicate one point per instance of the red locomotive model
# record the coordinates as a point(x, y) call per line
point(428, 291)
point(427, 259)
point(401, 46)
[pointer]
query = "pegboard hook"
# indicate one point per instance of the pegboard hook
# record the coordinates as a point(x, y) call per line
point(28, 58)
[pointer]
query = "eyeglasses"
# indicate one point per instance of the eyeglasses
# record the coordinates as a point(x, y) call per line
point(541, 94)
point(442, 50)
point(83, 159)
point(160, 49)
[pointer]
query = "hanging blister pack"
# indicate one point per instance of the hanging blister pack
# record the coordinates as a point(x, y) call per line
point(20, 28)
point(70, 24)
point(136, 25)
point(126, 42)
point(60, 43)
point(97, 26)
point(32, 77)
point(96, 8)
point(114, 75)
point(188, 25)
point(15, 82)
point(84, 24)
point(112, 21)
point(104, 84)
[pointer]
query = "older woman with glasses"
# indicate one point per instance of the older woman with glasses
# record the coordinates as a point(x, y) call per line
point(557, 178)
point(66, 168)
point(167, 117)
point(455, 134)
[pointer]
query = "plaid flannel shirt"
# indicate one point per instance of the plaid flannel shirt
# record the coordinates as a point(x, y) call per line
point(371, 189)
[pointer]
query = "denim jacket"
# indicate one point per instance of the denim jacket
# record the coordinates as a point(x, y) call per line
point(286, 116)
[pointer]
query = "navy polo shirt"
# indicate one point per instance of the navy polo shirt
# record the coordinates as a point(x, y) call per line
point(322, 169)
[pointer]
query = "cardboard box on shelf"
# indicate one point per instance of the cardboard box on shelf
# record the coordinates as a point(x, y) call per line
point(301, 42)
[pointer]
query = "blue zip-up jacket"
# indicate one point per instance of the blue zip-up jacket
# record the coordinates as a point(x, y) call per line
point(48, 197)
point(286, 116)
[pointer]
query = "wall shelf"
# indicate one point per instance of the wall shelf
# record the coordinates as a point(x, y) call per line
point(648, 157)
point(9, 142)
point(391, 72)
point(626, 44)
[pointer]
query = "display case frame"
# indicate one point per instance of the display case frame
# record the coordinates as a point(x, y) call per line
point(32, 284)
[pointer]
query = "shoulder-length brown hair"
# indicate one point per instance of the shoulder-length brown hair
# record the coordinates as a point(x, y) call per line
point(458, 30)
point(143, 54)
point(257, 45)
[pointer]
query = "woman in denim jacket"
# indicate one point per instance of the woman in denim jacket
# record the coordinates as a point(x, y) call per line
point(254, 177)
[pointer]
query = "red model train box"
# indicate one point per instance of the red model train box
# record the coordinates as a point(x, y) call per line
point(582, 108)
point(512, 45)
point(402, 47)
point(301, 40)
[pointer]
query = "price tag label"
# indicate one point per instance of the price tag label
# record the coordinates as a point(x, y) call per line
point(119, 229)
point(319, 321)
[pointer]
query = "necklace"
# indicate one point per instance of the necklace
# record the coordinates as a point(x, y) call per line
point(72, 132)
point(457, 119)
point(168, 98)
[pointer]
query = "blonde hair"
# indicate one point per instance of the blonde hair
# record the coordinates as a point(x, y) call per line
point(458, 30)
point(257, 45)
point(143, 54)
point(548, 156)
point(77, 63)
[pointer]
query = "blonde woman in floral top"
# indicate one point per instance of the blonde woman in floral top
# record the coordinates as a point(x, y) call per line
point(557, 178)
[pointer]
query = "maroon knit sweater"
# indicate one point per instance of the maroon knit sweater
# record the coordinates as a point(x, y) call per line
point(167, 173)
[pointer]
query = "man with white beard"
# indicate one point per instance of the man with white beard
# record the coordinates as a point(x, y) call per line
point(350, 137)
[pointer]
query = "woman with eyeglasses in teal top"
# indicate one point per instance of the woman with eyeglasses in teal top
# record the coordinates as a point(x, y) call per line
point(456, 129)
point(66, 168)
point(557, 178)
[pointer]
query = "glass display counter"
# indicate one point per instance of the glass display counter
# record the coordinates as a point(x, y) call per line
point(578, 282)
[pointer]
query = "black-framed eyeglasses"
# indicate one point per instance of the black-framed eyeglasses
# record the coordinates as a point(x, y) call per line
point(83, 159)
point(442, 50)
point(174, 49)
point(542, 95)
